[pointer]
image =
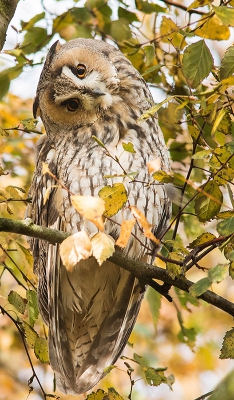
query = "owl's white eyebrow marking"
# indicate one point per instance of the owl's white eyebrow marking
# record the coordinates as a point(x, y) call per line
point(92, 81)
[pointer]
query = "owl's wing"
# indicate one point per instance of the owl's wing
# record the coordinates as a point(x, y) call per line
point(92, 311)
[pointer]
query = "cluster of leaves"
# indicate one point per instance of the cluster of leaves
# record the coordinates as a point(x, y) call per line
point(196, 117)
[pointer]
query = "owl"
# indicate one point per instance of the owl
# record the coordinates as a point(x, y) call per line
point(89, 88)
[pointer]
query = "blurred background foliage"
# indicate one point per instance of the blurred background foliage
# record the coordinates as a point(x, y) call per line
point(184, 51)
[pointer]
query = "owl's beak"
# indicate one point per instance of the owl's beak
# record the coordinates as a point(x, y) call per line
point(95, 92)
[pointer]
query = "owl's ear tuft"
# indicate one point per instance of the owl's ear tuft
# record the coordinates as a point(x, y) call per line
point(53, 50)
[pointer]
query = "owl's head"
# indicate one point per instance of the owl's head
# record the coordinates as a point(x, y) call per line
point(78, 83)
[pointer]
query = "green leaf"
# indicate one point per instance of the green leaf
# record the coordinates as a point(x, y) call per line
point(197, 63)
point(27, 25)
point(152, 69)
point(35, 39)
point(41, 350)
point(120, 30)
point(6, 76)
point(30, 334)
point(29, 124)
point(188, 336)
point(162, 176)
point(227, 350)
point(225, 14)
point(153, 377)
point(33, 310)
point(174, 270)
point(128, 15)
point(141, 360)
point(17, 301)
point(200, 287)
point(128, 147)
point(148, 8)
point(226, 227)
point(227, 63)
point(225, 389)
point(154, 300)
point(115, 197)
point(218, 273)
point(203, 238)
point(149, 54)
point(208, 202)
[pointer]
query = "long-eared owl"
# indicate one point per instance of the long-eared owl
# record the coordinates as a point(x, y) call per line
point(89, 88)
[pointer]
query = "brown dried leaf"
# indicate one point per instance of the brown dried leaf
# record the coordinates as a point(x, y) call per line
point(125, 232)
point(144, 223)
point(103, 246)
point(75, 248)
point(91, 208)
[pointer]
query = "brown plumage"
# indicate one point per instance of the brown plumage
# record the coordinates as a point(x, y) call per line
point(87, 87)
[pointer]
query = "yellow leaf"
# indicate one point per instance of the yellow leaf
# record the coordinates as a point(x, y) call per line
point(213, 29)
point(75, 248)
point(154, 165)
point(125, 232)
point(103, 247)
point(47, 195)
point(115, 197)
point(170, 33)
point(144, 223)
point(91, 208)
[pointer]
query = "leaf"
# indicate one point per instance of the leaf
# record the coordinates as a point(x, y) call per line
point(128, 147)
point(227, 350)
point(208, 202)
point(41, 350)
point(32, 21)
point(202, 155)
point(169, 32)
point(162, 176)
point(99, 395)
point(17, 301)
point(30, 334)
point(154, 300)
point(125, 232)
point(32, 306)
point(113, 395)
point(212, 28)
point(203, 238)
point(91, 208)
point(153, 377)
point(197, 63)
point(149, 54)
point(226, 227)
point(6, 76)
point(144, 223)
point(35, 39)
point(227, 63)
point(103, 247)
point(115, 197)
point(152, 69)
point(75, 248)
point(225, 389)
point(225, 14)
point(218, 273)
point(173, 269)
point(148, 8)
point(154, 165)
point(200, 287)
point(29, 124)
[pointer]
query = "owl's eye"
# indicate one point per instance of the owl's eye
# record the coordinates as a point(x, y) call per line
point(73, 105)
point(81, 71)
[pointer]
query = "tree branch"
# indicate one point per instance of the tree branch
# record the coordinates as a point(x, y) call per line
point(7, 11)
point(144, 272)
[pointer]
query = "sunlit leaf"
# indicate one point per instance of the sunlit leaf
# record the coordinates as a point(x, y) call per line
point(226, 227)
point(212, 28)
point(91, 208)
point(218, 273)
point(103, 247)
point(147, 227)
point(162, 176)
point(99, 395)
point(197, 63)
point(113, 394)
point(203, 238)
point(114, 196)
point(153, 377)
point(225, 14)
point(75, 248)
point(125, 232)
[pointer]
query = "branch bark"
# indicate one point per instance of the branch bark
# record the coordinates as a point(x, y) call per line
point(144, 272)
point(7, 11)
